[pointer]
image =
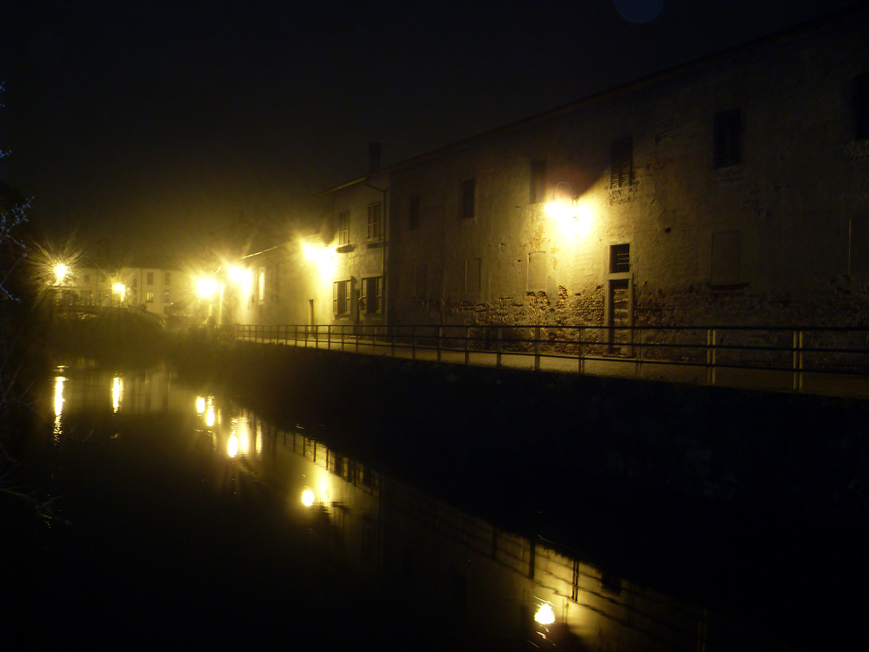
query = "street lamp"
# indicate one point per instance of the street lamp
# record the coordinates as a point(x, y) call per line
point(121, 290)
point(60, 272)
point(564, 202)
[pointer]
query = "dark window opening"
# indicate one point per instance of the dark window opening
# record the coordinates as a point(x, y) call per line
point(341, 298)
point(372, 295)
point(343, 228)
point(538, 182)
point(620, 258)
point(622, 168)
point(375, 217)
point(727, 127)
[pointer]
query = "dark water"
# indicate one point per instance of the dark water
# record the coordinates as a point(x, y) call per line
point(179, 520)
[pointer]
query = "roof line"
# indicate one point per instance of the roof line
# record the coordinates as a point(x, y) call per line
point(792, 32)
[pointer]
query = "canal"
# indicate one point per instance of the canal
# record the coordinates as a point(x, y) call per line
point(173, 517)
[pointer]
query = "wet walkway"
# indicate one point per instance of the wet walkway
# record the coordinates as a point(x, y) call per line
point(784, 380)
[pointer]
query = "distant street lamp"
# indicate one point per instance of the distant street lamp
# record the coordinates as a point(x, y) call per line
point(60, 272)
point(121, 291)
point(206, 287)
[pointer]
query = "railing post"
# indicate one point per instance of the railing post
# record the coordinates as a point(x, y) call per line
point(580, 352)
point(358, 329)
point(329, 337)
point(439, 332)
point(467, 344)
point(500, 334)
point(638, 364)
point(798, 361)
point(537, 348)
point(711, 338)
point(413, 342)
point(391, 332)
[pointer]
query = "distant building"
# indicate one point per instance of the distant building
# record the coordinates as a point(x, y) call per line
point(147, 288)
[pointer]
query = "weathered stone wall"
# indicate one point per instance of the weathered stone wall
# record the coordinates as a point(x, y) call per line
point(790, 219)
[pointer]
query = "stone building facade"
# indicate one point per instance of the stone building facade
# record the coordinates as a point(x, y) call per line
point(731, 191)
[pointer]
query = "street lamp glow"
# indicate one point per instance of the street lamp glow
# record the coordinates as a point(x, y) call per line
point(307, 497)
point(240, 275)
point(60, 272)
point(206, 287)
point(120, 289)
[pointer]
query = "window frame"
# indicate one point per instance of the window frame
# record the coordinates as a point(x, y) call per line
point(727, 138)
point(343, 228)
point(374, 307)
point(341, 296)
point(375, 221)
point(622, 162)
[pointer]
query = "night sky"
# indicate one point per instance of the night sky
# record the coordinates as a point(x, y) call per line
point(152, 122)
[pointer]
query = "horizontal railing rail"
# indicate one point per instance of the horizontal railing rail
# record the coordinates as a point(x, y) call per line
point(797, 351)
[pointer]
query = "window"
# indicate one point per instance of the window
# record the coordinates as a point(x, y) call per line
point(375, 216)
point(87, 278)
point(165, 296)
point(273, 284)
point(341, 298)
point(620, 259)
point(860, 100)
point(472, 276)
point(413, 213)
point(468, 208)
point(538, 182)
point(149, 297)
point(167, 277)
point(372, 294)
point(149, 278)
point(261, 284)
point(421, 289)
point(343, 228)
point(622, 166)
point(726, 129)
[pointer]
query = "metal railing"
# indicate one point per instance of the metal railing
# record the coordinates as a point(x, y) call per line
point(708, 352)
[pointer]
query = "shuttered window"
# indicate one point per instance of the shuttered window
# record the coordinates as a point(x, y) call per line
point(622, 168)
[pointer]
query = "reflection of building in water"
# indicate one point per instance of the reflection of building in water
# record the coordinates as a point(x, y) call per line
point(488, 583)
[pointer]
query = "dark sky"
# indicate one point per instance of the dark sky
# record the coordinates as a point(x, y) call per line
point(150, 120)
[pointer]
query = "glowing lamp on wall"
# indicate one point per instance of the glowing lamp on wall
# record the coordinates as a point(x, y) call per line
point(564, 202)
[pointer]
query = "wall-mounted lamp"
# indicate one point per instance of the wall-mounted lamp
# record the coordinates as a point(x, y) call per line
point(564, 202)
